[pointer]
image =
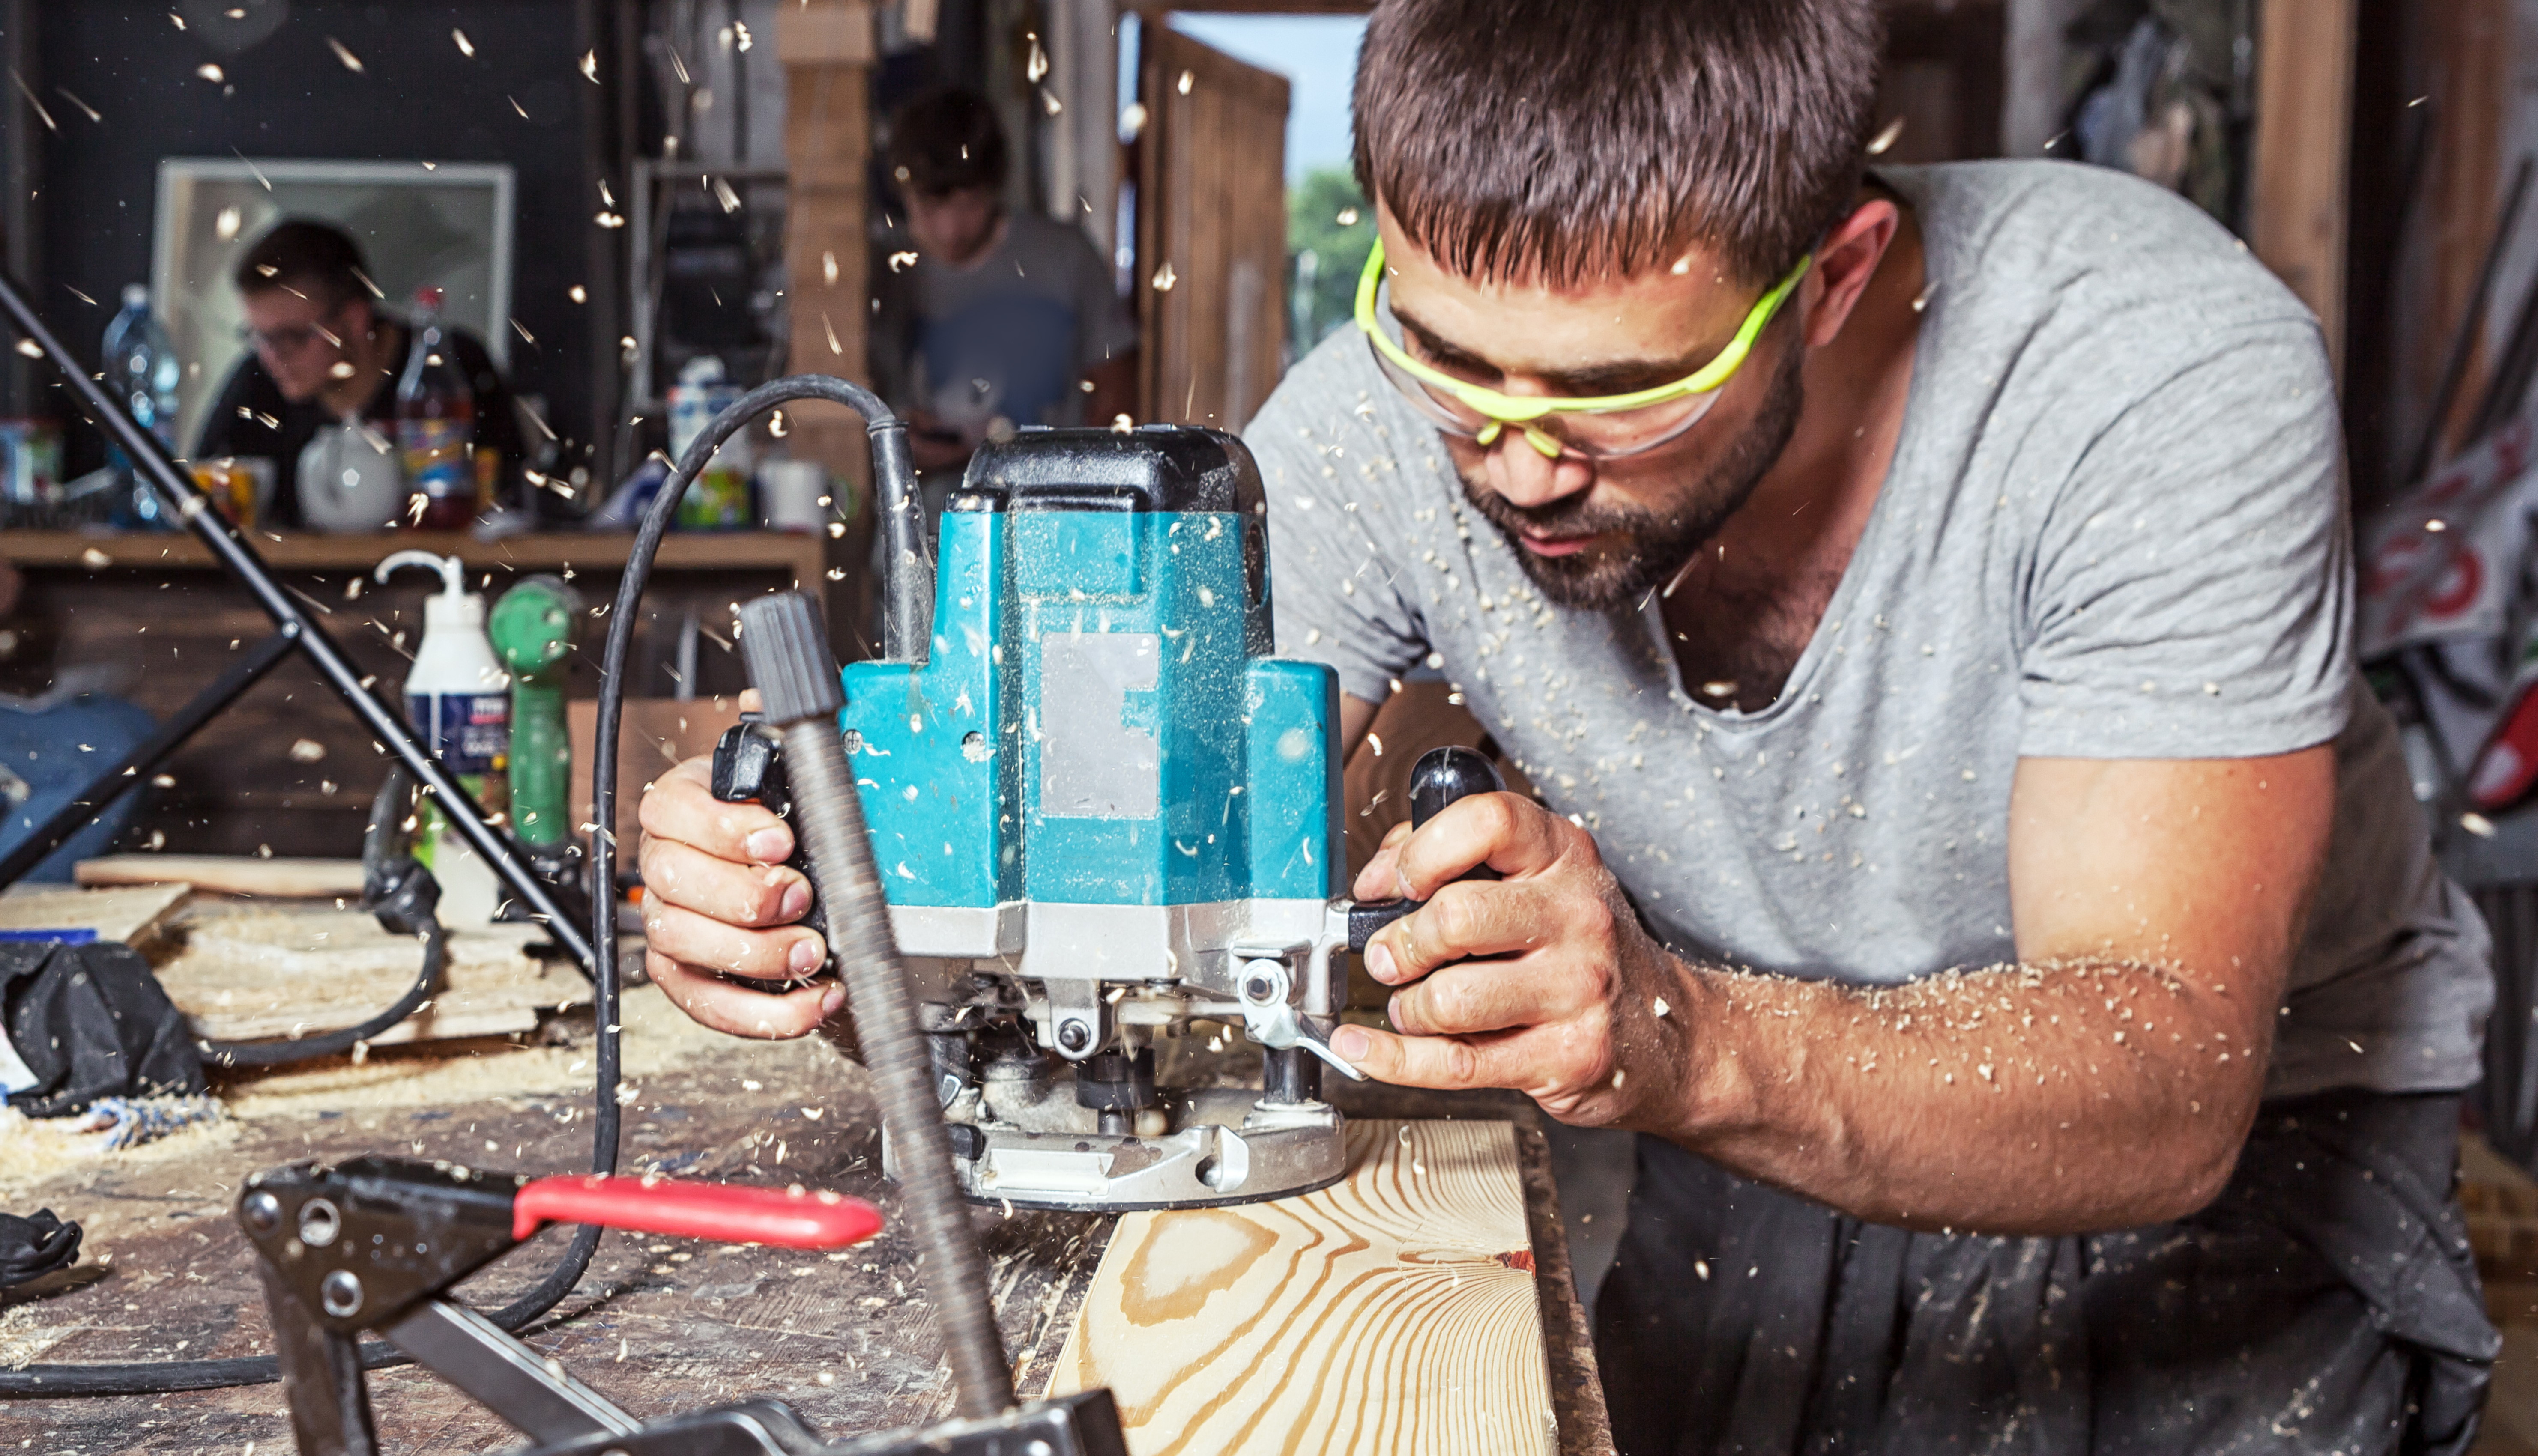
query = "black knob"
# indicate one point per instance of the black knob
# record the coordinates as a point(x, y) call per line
point(1439, 778)
point(1444, 775)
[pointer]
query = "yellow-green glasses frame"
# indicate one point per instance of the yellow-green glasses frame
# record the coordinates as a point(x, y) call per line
point(1498, 410)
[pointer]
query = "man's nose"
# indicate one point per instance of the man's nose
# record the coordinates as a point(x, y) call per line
point(1523, 476)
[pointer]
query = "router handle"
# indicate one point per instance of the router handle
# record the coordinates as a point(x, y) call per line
point(1439, 777)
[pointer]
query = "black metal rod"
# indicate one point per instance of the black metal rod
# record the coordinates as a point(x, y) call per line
point(151, 459)
point(101, 792)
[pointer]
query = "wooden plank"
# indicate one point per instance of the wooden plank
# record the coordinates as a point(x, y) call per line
point(2295, 217)
point(131, 916)
point(228, 874)
point(1395, 1311)
point(1211, 208)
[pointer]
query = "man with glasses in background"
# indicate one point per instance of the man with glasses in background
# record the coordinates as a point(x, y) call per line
point(1966, 853)
point(322, 352)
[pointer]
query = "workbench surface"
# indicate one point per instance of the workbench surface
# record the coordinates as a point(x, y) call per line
point(659, 1325)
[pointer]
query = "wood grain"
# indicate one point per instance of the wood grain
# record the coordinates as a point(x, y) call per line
point(1394, 1313)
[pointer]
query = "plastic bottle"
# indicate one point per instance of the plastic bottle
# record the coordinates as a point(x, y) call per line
point(435, 425)
point(143, 371)
point(717, 500)
point(460, 700)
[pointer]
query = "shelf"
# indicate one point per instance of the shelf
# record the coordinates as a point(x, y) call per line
point(802, 554)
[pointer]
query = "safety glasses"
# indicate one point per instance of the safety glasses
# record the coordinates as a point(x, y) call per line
point(1602, 429)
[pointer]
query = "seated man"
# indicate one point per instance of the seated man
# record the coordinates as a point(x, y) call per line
point(1002, 318)
point(324, 353)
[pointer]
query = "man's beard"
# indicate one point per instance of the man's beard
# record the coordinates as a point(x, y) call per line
point(1660, 540)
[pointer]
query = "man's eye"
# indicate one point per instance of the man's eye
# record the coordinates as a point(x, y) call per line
point(1461, 368)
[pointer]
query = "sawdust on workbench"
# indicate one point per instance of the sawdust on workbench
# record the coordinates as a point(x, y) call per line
point(37, 1150)
point(25, 1335)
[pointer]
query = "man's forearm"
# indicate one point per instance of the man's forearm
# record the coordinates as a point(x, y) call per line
point(2023, 1099)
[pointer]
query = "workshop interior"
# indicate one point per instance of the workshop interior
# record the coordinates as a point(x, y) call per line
point(436, 437)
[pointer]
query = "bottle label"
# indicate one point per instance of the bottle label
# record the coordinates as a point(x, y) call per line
point(470, 731)
point(437, 462)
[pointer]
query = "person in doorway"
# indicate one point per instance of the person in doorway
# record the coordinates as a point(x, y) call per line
point(990, 319)
point(1968, 854)
point(324, 353)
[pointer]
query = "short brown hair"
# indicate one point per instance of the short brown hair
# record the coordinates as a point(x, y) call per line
point(1558, 140)
point(317, 260)
point(946, 140)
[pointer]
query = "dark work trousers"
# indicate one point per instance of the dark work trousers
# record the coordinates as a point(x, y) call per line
point(2326, 1301)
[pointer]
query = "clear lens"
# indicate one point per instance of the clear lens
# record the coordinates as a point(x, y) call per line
point(1596, 434)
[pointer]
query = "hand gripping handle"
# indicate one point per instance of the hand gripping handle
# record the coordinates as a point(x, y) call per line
point(727, 1213)
point(1440, 776)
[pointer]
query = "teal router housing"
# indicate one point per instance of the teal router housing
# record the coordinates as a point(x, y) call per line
point(1100, 760)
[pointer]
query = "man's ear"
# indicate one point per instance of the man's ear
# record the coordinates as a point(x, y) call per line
point(1844, 263)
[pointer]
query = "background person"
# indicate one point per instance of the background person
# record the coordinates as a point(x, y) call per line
point(323, 352)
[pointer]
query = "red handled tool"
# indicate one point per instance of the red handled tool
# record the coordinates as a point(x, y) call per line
point(793, 1218)
point(376, 1244)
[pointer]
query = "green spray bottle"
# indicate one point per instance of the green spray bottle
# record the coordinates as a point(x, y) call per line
point(531, 628)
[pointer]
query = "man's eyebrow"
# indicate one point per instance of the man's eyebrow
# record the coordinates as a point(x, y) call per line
point(1619, 376)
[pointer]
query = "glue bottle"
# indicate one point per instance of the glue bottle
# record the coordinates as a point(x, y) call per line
point(459, 699)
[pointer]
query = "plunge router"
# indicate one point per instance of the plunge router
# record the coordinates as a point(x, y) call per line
point(1102, 810)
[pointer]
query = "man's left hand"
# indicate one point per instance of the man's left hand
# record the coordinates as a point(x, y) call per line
point(1575, 1005)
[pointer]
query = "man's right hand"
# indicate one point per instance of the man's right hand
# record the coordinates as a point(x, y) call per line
point(719, 901)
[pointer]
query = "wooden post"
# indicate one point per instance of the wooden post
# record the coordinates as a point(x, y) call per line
point(828, 50)
point(2296, 219)
point(827, 47)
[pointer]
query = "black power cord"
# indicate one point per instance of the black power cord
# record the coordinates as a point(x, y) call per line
point(403, 896)
point(903, 622)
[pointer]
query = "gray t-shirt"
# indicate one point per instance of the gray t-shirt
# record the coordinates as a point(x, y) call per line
point(1011, 333)
point(2114, 528)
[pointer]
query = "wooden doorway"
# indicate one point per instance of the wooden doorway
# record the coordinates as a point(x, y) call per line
point(1211, 233)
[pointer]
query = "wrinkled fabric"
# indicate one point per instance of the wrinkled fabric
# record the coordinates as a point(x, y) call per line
point(90, 1021)
point(31, 1248)
point(2326, 1301)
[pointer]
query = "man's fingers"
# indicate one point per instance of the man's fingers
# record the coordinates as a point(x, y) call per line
point(736, 894)
point(1506, 831)
point(1447, 1062)
point(681, 806)
point(738, 1010)
point(1467, 918)
point(1487, 996)
point(1379, 880)
point(795, 950)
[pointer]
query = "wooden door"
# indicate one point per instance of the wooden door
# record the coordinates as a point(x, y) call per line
point(1211, 233)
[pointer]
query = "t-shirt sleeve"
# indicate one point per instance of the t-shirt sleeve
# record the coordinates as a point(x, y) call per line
point(2191, 593)
point(1333, 595)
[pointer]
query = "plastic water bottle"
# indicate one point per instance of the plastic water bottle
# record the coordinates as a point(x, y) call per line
point(141, 368)
point(435, 425)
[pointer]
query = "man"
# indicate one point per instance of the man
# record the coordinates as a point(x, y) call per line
point(1971, 860)
point(989, 319)
point(322, 353)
